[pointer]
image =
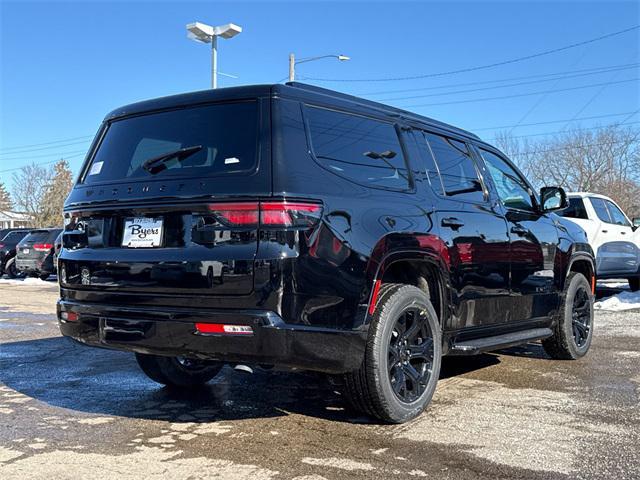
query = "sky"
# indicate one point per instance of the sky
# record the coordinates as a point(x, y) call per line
point(64, 65)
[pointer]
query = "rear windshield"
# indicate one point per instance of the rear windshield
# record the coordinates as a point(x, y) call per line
point(44, 236)
point(227, 133)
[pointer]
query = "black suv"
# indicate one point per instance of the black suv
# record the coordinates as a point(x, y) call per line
point(9, 238)
point(295, 226)
point(34, 253)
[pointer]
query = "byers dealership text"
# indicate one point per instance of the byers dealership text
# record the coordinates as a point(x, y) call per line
point(143, 232)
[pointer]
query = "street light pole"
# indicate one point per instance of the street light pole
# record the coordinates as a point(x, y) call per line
point(214, 62)
point(203, 33)
point(293, 62)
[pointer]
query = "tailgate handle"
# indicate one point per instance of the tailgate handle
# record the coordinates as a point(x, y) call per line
point(452, 223)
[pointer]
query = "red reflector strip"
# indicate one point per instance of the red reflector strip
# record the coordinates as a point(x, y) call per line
point(42, 247)
point(593, 284)
point(374, 296)
point(224, 329)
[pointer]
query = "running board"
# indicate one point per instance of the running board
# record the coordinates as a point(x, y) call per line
point(479, 345)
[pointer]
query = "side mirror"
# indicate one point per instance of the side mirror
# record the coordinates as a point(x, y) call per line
point(553, 198)
point(636, 222)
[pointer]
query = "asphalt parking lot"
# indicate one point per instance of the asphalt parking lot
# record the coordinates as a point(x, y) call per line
point(68, 411)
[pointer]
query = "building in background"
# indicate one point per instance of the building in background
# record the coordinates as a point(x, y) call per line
point(14, 219)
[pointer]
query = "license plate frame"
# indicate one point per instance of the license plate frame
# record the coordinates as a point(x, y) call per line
point(142, 232)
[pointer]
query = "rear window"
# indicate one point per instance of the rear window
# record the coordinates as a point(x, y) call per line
point(226, 133)
point(575, 209)
point(362, 149)
point(14, 237)
point(38, 236)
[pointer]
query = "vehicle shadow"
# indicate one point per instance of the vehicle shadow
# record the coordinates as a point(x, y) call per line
point(62, 373)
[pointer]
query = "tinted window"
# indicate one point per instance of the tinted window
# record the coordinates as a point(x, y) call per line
point(511, 187)
point(37, 236)
point(575, 209)
point(617, 216)
point(14, 237)
point(456, 167)
point(601, 209)
point(227, 134)
point(359, 148)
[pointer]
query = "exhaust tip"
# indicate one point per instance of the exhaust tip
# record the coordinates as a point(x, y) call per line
point(243, 368)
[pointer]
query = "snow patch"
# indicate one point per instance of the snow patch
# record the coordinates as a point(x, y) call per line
point(620, 302)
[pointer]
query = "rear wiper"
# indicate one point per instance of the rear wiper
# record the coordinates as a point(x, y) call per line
point(157, 164)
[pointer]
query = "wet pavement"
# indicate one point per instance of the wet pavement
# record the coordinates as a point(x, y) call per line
point(69, 411)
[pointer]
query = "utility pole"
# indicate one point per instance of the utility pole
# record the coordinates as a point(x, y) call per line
point(292, 67)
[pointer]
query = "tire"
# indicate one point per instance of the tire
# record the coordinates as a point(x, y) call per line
point(10, 268)
point(634, 284)
point(571, 339)
point(178, 372)
point(43, 276)
point(389, 393)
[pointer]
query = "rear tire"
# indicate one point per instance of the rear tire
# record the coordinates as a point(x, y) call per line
point(178, 372)
point(43, 276)
point(10, 268)
point(634, 284)
point(574, 329)
point(402, 357)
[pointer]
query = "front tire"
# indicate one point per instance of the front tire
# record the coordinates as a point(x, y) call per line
point(574, 330)
point(402, 357)
point(178, 372)
point(634, 284)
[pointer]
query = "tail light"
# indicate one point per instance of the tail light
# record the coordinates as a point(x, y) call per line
point(42, 247)
point(272, 214)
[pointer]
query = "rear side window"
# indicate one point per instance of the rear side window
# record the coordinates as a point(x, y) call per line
point(575, 209)
point(457, 169)
point(14, 237)
point(616, 215)
point(361, 149)
point(601, 209)
point(226, 133)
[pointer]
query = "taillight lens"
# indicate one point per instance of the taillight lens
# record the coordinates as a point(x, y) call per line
point(42, 247)
point(272, 214)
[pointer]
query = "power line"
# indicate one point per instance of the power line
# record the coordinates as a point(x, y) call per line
point(46, 143)
point(593, 71)
point(43, 148)
point(66, 157)
point(59, 155)
point(548, 122)
point(567, 147)
point(494, 87)
point(600, 127)
point(480, 67)
point(519, 94)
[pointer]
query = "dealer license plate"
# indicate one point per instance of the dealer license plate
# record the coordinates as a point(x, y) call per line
point(142, 232)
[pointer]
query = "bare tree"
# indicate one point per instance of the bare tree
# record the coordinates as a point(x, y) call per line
point(5, 198)
point(29, 186)
point(606, 161)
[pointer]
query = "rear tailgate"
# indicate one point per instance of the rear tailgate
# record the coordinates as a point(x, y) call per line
point(134, 229)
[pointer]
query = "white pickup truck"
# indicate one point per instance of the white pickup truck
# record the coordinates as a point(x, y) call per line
point(614, 238)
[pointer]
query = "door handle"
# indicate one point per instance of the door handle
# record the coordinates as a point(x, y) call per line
point(605, 231)
point(623, 233)
point(519, 230)
point(452, 222)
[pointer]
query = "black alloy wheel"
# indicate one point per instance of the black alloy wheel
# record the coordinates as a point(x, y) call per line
point(410, 355)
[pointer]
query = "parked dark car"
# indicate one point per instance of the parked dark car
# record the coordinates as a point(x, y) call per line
point(9, 238)
point(295, 226)
point(34, 253)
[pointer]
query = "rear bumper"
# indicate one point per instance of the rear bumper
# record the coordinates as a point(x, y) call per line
point(172, 332)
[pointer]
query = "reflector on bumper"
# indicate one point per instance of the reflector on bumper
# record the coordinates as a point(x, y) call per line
point(223, 329)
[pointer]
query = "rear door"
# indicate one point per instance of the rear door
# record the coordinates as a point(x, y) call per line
point(616, 252)
point(183, 224)
point(474, 230)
